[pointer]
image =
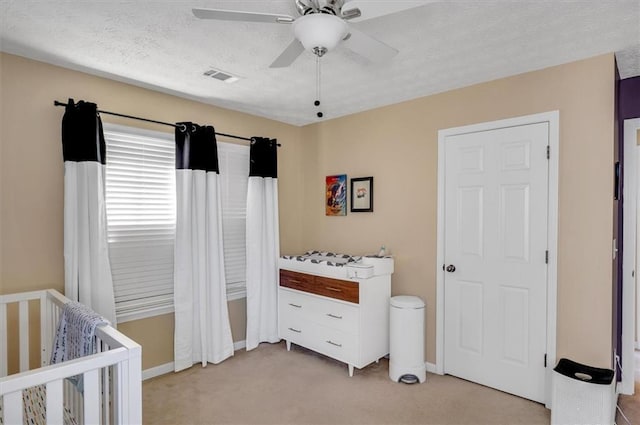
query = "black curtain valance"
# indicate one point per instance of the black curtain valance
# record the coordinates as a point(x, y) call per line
point(82, 135)
point(263, 156)
point(196, 147)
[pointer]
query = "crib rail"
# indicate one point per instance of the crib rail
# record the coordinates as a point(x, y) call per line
point(111, 378)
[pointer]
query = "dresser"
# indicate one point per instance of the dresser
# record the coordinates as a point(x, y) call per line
point(343, 318)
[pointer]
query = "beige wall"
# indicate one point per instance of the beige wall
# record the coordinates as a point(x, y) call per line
point(31, 176)
point(395, 144)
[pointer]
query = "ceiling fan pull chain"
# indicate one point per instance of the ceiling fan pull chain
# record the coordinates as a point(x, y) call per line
point(318, 75)
point(318, 78)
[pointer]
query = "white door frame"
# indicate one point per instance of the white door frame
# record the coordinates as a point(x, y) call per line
point(629, 255)
point(553, 119)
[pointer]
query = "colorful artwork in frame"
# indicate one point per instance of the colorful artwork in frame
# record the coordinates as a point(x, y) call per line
point(336, 195)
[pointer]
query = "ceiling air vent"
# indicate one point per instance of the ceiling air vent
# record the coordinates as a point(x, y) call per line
point(221, 75)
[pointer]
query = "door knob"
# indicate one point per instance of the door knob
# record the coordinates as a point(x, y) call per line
point(451, 268)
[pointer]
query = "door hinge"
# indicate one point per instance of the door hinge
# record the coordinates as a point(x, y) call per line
point(545, 359)
point(546, 257)
point(548, 151)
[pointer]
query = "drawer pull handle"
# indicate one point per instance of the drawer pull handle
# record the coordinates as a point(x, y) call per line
point(334, 343)
point(294, 281)
point(334, 316)
point(295, 305)
point(333, 289)
point(295, 330)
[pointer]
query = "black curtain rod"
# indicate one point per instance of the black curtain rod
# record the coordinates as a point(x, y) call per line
point(58, 103)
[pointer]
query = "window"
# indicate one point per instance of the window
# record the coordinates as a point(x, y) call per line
point(141, 221)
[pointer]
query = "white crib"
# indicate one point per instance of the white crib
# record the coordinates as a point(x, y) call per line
point(112, 378)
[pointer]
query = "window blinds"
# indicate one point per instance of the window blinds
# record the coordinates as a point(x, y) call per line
point(141, 219)
point(234, 176)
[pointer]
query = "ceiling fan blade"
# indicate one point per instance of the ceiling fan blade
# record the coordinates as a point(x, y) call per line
point(370, 9)
point(289, 55)
point(369, 47)
point(234, 15)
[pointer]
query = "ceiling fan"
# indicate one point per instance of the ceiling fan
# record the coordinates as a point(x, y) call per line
point(321, 26)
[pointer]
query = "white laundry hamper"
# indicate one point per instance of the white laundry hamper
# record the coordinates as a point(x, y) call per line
point(582, 394)
point(406, 340)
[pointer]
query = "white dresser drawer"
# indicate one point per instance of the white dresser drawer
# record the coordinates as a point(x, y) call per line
point(334, 314)
point(341, 346)
point(294, 332)
point(295, 329)
point(295, 304)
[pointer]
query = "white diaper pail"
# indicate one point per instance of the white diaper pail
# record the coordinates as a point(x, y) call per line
point(406, 340)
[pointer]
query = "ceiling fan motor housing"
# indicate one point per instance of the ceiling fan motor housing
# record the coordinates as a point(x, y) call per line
point(306, 7)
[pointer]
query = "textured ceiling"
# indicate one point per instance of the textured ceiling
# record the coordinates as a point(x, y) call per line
point(443, 45)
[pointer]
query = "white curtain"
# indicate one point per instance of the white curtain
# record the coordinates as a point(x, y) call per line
point(263, 244)
point(202, 329)
point(86, 251)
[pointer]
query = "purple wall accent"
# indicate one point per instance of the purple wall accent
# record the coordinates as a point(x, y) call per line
point(629, 98)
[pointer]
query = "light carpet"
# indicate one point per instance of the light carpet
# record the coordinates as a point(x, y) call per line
point(270, 385)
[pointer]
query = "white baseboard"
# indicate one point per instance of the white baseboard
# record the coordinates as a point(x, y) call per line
point(169, 367)
point(157, 371)
point(431, 368)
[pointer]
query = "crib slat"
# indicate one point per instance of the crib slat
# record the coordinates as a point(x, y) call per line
point(54, 402)
point(45, 336)
point(3, 342)
point(120, 393)
point(106, 399)
point(23, 310)
point(13, 408)
point(92, 397)
point(54, 318)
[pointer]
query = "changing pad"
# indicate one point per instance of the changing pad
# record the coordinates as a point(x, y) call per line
point(340, 266)
point(323, 257)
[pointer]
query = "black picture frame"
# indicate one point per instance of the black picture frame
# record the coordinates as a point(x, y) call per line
point(362, 194)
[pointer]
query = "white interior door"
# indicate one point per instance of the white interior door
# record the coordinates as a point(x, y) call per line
point(636, 243)
point(495, 255)
point(630, 253)
point(636, 312)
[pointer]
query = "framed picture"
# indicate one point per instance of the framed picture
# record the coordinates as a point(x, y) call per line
point(362, 194)
point(336, 195)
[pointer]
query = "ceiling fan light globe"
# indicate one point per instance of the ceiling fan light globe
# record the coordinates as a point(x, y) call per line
point(320, 30)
